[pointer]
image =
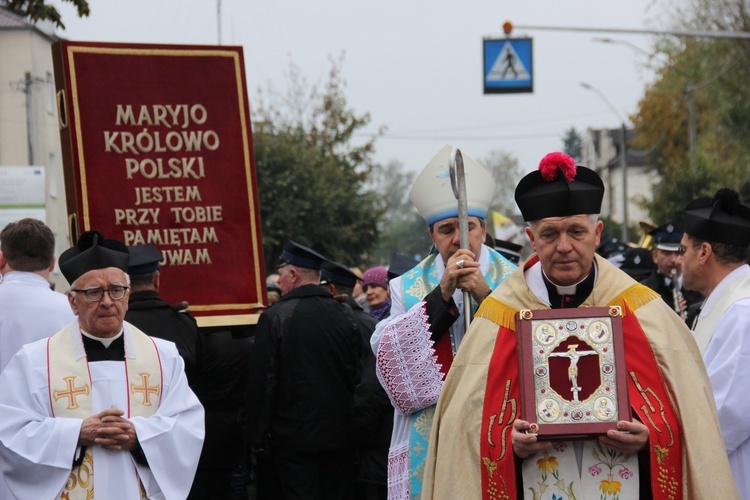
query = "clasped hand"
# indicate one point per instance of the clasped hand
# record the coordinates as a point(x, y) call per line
point(108, 429)
point(462, 271)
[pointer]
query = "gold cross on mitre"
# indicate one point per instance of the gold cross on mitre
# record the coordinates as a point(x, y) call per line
point(71, 392)
point(146, 389)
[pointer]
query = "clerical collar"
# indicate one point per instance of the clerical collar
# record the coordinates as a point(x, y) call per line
point(107, 342)
point(572, 295)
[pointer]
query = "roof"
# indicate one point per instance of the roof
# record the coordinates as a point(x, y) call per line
point(634, 157)
point(12, 21)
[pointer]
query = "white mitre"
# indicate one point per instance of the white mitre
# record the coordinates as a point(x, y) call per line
point(432, 194)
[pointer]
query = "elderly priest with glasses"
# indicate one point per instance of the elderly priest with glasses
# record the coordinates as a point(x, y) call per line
point(98, 410)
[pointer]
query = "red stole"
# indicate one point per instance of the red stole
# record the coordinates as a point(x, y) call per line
point(649, 399)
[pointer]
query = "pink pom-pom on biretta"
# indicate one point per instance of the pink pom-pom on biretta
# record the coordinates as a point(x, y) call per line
point(549, 164)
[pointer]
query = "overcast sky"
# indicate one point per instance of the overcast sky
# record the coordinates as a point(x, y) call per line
point(416, 65)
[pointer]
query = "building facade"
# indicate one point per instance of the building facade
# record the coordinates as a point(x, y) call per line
point(601, 152)
point(29, 133)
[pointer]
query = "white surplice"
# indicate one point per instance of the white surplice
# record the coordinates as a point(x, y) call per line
point(727, 358)
point(29, 311)
point(40, 448)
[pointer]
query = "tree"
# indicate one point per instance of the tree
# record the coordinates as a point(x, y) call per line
point(573, 143)
point(408, 236)
point(506, 173)
point(393, 184)
point(402, 230)
point(311, 178)
point(714, 74)
point(40, 10)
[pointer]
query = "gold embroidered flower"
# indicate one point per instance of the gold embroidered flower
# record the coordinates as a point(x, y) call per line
point(661, 453)
point(547, 463)
point(610, 486)
point(490, 464)
point(424, 422)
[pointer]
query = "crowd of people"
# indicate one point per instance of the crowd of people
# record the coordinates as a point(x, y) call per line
point(377, 385)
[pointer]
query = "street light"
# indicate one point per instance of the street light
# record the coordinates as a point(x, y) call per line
point(623, 161)
point(689, 93)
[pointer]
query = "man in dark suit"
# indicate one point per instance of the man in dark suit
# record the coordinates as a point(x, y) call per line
point(373, 418)
point(150, 313)
point(304, 368)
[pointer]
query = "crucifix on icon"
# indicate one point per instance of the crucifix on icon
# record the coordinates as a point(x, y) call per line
point(574, 356)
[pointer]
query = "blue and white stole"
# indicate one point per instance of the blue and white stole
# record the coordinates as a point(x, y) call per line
point(417, 283)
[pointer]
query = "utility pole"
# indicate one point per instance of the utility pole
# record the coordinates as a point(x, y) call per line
point(26, 86)
point(218, 19)
point(689, 95)
point(29, 117)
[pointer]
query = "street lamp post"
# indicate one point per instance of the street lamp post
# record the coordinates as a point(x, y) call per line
point(623, 161)
point(689, 94)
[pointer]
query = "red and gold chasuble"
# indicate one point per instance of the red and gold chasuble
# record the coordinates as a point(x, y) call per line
point(648, 397)
point(71, 389)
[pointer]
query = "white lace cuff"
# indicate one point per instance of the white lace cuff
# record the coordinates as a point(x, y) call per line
point(407, 366)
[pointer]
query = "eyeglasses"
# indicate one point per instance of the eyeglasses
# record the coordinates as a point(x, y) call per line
point(115, 292)
point(682, 249)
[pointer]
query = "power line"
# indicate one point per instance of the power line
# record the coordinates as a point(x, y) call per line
point(407, 137)
point(624, 31)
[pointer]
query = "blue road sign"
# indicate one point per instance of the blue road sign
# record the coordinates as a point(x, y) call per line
point(508, 66)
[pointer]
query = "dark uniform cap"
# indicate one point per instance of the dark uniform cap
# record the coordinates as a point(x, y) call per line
point(509, 250)
point(93, 252)
point(399, 265)
point(300, 256)
point(667, 237)
point(721, 219)
point(638, 261)
point(559, 189)
point(144, 259)
point(338, 274)
point(611, 248)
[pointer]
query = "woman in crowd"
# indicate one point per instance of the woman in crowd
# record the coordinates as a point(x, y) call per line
point(375, 286)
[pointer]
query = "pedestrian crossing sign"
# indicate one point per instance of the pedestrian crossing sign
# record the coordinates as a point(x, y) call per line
point(508, 66)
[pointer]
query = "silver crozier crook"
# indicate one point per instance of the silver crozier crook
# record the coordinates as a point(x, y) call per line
point(458, 183)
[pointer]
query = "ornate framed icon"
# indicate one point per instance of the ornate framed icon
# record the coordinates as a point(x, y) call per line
point(572, 371)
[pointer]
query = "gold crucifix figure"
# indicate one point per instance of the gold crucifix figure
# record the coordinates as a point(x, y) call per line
point(574, 356)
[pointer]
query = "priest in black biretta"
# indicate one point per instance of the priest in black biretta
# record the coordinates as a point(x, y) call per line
point(561, 202)
point(93, 251)
point(721, 219)
point(559, 188)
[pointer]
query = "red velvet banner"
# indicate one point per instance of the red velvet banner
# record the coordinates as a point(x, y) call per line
point(157, 149)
